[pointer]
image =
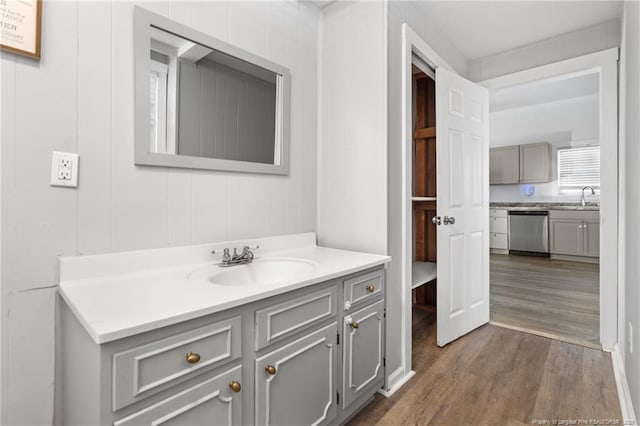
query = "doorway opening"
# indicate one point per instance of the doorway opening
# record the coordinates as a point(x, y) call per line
point(424, 189)
point(545, 208)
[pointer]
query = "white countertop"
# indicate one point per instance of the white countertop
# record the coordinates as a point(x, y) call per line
point(121, 294)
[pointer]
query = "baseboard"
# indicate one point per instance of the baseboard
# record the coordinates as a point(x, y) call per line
point(397, 385)
point(626, 406)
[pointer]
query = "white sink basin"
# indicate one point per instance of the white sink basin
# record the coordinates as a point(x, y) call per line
point(263, 271)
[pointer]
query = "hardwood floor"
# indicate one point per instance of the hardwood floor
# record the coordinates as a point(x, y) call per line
point(497, 376)
point(552, 298)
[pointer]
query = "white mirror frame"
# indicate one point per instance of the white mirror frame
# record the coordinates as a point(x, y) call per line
point(143, 21)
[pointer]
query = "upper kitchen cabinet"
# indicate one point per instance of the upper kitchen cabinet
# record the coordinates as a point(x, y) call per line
point(504, 165)
point(535, 163)
point(529, 163)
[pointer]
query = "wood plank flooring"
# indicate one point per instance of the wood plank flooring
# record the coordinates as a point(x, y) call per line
point(552, 298)
point(496, 376)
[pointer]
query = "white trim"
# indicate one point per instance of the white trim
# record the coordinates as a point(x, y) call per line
point(411, 43)
point(605, 64)
point(393, 389)
point(626, 405)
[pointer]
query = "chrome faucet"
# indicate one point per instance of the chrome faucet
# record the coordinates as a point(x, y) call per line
point(593, 192)
point(236, 259)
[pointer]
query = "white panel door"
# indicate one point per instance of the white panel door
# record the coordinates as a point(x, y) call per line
point(462, 135)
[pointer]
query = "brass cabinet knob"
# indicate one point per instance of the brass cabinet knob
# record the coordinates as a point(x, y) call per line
point(235, 386)
point(370, 288)
point(270, 369)
point(352, 323)
point(193, 358)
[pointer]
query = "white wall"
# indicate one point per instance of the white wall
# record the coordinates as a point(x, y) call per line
point(79, 98)
point(569, 122)
point(630, 197)
point(581, 42)
point(352, 167)
point(414, 14)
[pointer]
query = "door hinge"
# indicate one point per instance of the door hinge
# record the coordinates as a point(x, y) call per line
point(337, 397)
point(384, 362)
point(338, 338)
point(384, 313)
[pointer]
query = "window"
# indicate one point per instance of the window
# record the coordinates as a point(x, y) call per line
point(158, 107)
point(579, 167)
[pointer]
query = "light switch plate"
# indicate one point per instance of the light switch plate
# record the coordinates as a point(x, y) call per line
point(64, 169)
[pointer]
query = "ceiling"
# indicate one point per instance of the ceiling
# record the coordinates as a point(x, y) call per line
point(483, 28)
point(544, 92)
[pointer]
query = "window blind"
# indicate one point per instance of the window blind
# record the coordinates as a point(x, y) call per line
point(579, 167)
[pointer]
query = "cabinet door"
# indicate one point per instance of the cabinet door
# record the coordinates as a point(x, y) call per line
point(566, 237)
point(210, 402)
point(591, 232)
point(363, 351)
point(296, 384)
point(535, 162)
point(504, 165)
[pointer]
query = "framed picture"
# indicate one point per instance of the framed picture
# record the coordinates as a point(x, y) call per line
point(20, 24)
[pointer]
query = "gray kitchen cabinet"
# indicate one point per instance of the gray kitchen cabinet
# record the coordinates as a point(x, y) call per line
point(574, 233)
point(215, 366)
point(295, 383)
point(566, 237)
point(504, 165)
point(216, 399)
point(530, 163)
point(591, 232)
point(363, 350)
point(535, 163)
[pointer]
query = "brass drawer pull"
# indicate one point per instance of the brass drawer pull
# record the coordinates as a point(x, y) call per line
point(271, 370)
point(193, 358)
point(371, 288)
point(235, 386)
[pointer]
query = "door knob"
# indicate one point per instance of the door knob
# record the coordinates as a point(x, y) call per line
point(193, 358)
point(437, 220)
point(235, 386)
point(270, 369)
point(449, 220)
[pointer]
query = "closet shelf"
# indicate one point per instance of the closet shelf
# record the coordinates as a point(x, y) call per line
point(422, 273)
point(424, 199)
point(425, 133)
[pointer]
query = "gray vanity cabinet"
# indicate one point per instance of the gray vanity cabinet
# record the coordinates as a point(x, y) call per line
point(298, 358)
point(363, 350)
point(214, 399)
point(295, 384)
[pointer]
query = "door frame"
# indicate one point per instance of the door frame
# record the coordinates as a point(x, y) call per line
point(604, 63)
point(412, 43)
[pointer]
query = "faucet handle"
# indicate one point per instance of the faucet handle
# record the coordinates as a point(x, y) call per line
point(244, 248)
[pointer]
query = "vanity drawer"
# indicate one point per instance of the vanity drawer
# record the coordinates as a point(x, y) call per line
point(498, 225)
point(364, 287)
point(498, 212)
point(151, 368)
point(212, 401)
point(287, 318)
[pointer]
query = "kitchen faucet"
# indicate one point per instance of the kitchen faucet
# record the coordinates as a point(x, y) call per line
point(593, 192)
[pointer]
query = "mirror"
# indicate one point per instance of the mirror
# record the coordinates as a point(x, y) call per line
point(202, 103)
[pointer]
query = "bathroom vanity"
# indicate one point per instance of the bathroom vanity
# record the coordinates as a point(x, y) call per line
point(168, 337)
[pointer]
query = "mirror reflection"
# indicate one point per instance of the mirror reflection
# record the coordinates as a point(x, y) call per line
point(206, 103)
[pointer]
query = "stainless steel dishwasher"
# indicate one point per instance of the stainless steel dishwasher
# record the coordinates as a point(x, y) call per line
point(529, 232)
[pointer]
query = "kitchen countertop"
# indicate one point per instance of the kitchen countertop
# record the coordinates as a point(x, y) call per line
point(545, 206)
point(121, 294)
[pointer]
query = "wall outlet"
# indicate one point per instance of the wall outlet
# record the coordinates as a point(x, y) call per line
point(64, 169)
point(630, 339)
